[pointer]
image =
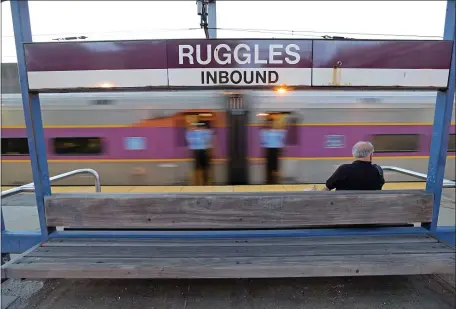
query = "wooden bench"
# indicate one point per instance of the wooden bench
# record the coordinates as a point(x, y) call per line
point(234, 257)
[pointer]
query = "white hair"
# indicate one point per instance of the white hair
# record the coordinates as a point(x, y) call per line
point(362, 150)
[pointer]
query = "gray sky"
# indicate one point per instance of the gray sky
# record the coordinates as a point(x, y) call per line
point(117, 20)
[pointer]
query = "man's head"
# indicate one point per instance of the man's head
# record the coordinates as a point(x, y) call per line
point(363, 151)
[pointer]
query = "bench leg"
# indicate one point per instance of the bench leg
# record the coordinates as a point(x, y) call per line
point(5, 258)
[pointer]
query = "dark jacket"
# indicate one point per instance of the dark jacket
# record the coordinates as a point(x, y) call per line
point(358, 175)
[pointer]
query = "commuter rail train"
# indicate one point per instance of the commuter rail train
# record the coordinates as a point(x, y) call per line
point(138, 138)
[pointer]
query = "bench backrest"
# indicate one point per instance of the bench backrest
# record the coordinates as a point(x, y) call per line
point(237, 210)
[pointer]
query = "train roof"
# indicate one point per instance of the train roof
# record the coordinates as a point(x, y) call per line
point(365, 98)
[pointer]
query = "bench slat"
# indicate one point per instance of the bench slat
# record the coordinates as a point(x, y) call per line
point(237, 211)
point(269, 259)
point(256, 241)
point(237, 251)
point(266, 267)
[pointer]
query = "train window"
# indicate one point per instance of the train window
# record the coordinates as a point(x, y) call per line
point(181, 129)
point(396, 142)
point(77, 145)
point(15, 146)
point(135, 143)
point(292, 138)
point(285, 120)
point(452, 143)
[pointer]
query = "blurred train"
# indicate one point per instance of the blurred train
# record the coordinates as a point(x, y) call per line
point(138, 138)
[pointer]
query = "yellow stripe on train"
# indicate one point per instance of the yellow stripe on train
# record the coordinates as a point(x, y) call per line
point(216, 160)
point(251, 125)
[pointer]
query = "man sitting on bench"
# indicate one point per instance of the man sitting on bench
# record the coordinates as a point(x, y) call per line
point(361, 174)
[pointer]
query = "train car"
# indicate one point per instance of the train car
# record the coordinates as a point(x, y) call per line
point(138, 138)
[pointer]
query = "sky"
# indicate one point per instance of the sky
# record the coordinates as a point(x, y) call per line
point(121, 20)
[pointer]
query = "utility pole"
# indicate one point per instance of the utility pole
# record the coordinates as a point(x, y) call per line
point(207, 9)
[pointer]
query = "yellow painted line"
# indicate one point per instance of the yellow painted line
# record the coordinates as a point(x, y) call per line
point(150, 189)
point(100, 160)
point(348, 158)
point(331, 124)
point(207, 189)
point(247, 188)
point(259, 188)
point(216, 161)
point(251, 125)
point(77, 126)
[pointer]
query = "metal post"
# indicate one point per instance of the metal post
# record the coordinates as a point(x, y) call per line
point(442, 121)
point(212, 19)
point(32, 112)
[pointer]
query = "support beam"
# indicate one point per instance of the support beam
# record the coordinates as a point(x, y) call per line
point(18, 242)
point(32, 112)
point(446, 234)
point(442, 121)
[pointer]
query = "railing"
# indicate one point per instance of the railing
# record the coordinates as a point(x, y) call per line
point(446, 183)
point(31, 188)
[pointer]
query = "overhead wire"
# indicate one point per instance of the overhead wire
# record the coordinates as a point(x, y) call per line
point(258, 30)
point(301, 33)
point(329, 32)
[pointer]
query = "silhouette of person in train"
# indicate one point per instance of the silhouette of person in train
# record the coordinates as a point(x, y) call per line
point(199, 139)
point(211, 148)
point(361, 174)
point(272, 140)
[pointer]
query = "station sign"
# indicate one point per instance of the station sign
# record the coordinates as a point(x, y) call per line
point(237, 63)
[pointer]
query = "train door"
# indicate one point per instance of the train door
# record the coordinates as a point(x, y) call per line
point(237, 126)
point(286, 120)
point(208, 119)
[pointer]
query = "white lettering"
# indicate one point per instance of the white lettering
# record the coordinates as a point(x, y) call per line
point(241, 54)
point(187, 54)
point(227, 55)
point(257, 54)
point(248, 56)
point(273, 53)
point(289, 52)
point(208, 55)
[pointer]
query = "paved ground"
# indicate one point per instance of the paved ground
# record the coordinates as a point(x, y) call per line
point(404, 292)
point(315, 293)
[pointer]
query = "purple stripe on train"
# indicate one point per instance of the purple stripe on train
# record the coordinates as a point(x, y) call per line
point(163, 142)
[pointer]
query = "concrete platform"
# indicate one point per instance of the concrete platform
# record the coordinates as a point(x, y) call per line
point(316, 293)
point(7, 301)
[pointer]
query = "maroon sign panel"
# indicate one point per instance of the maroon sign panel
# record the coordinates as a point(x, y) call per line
point(397, 64)
point(72, 66)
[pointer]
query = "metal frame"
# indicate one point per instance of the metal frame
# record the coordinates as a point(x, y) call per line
point(446, 183)
point(442, 122)
point(32, 112)
point(241, 233)
point(31, 103)
point(18, 242)
point(31, 188)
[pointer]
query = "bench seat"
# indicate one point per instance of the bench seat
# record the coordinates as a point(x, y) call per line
point(262, 257)
point(217, 257)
